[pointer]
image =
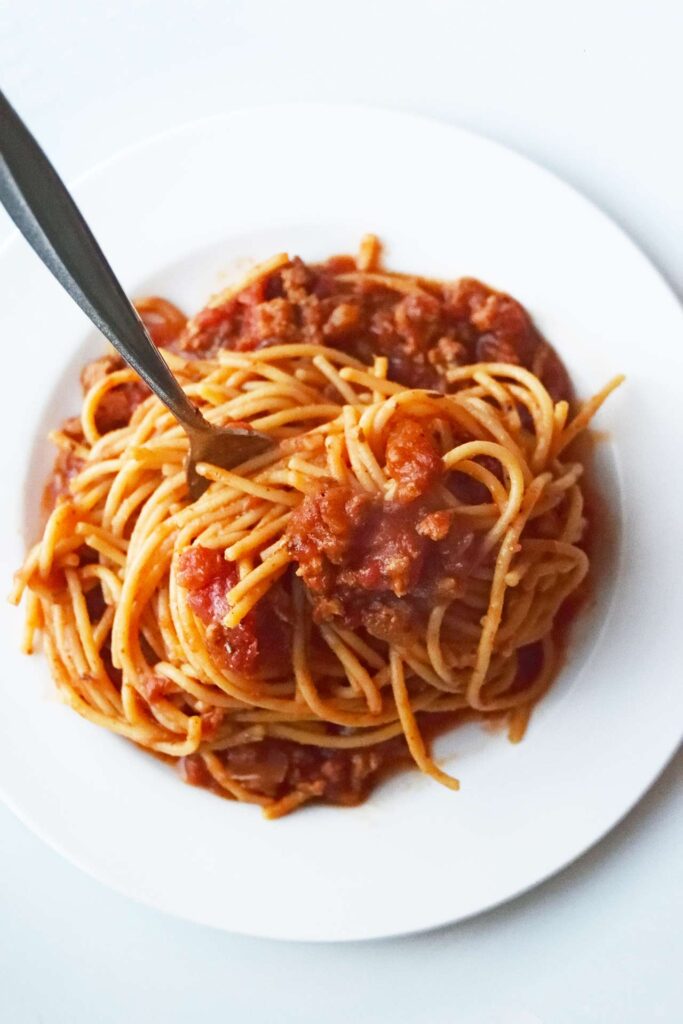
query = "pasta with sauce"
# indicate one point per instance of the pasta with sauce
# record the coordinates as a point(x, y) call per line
point(402, 558)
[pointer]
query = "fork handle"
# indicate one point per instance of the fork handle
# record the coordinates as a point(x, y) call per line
point(41, 207)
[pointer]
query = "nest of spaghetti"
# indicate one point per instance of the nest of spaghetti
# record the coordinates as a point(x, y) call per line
point(398, 561)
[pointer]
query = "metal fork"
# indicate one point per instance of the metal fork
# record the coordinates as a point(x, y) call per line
point(46, 215)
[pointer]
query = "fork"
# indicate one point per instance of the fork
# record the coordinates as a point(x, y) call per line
point(46, 215)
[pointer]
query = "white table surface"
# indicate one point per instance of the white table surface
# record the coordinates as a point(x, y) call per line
point(591, 89)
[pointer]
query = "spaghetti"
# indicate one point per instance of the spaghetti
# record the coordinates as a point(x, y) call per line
point(398, 559)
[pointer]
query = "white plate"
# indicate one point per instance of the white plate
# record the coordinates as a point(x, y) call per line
point(175, 216)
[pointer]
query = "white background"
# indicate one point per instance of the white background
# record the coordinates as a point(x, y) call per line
point(591, 90)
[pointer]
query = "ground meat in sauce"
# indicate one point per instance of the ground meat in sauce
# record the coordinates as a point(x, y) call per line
point(422, 334)
point(274, 768)
point(382, 563)
point(118, 404)
point(261, 641)
point(413, 458)
point(376, 563)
